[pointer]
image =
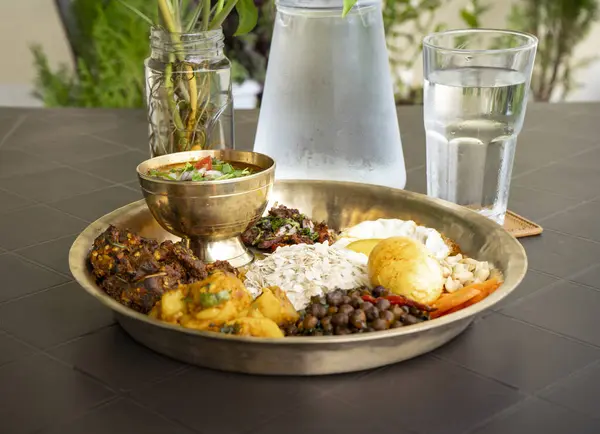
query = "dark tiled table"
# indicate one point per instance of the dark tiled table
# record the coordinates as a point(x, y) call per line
point(532, 365)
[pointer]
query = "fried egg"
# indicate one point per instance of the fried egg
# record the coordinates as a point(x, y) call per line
point(387, 228)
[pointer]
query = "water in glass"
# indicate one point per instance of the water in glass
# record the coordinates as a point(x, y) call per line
point(472, 118)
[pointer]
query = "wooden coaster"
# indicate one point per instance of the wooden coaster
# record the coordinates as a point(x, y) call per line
point(519, 226)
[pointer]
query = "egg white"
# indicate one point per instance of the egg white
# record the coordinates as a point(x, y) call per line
point(386, 228)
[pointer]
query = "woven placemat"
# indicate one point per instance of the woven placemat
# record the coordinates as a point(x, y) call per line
point(519, 226)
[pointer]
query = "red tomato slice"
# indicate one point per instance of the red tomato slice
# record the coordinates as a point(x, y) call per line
point(204, 162)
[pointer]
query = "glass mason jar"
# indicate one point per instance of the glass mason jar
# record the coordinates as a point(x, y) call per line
point(328, 109)
point(188, 92)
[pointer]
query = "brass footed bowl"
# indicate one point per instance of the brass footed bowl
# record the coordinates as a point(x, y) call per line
point(210, 214)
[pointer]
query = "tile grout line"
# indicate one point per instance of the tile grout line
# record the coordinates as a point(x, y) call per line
point(81, 171)
point(42, 243)
point(574, 374)
point(96, 407)
point(38, 264)
point(558, 195)
point(32, 294)
point(559, 280)
point(77, 338)
point(112, 142)
point(574, 410)
point(35, 203)
point(568, 279)
point(537, 326)
point(498, 415)
point(70, 234)
point(164, 416)
point(544, 166)
point(14, 128)
point(479, 374)
point(568, 209)
point(573, 236)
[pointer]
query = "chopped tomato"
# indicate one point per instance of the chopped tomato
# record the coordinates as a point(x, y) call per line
point(205, 162)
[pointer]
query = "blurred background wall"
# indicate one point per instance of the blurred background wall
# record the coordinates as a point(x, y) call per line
point(23, 22)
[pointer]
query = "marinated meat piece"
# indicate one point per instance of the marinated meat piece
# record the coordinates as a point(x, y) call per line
point(323, 232)
point(283, 212)
point(250, 235)
point(194, 266)
point(223, 266)
point(136, 271)
point(139, 296)
point(285, 226)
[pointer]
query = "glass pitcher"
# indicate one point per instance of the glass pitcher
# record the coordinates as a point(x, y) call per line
point(328, 109)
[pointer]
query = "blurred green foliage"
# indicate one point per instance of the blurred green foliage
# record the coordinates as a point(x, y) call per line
point(560, 26)
point(406, 23)
point(109, 45)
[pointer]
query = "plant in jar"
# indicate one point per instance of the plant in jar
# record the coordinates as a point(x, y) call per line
point(188, 78)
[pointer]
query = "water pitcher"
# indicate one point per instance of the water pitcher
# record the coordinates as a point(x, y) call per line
point(328, 108)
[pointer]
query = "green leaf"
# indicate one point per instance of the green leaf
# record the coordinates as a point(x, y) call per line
point(208, 300)
point(348, 5)
point(195, 17)
point(469, 18)
point(248, 16)
point(137, 12)
point(220, 4)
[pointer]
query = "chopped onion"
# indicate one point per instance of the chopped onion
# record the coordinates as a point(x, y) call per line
point(186, 176)
point(213, 173)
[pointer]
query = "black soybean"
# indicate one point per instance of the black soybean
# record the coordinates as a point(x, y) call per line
point(383, 304)
point(372, 314)
point(334, 298)
point(342, 330)
point(358, 319)
point(345, 308)
point(339, 319)
point(387, 316)
point(378, 291)
point(317, 310)
point(398, 312)
point(367, 305)
point(410, 319)
point(310, 322)
point(380, 324)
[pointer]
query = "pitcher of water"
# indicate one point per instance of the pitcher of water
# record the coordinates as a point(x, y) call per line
point(328, 109)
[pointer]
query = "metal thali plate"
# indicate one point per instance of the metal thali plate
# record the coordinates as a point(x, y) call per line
point(340, 204)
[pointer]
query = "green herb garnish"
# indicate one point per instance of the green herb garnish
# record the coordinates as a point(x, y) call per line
point(211, 300)
point(223, 295)
point(233, 329)
point(208, 300)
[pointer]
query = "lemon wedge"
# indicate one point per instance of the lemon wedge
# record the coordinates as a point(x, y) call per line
point(363, 246)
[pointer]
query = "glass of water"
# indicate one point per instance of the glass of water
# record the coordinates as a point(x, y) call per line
point(475, 96)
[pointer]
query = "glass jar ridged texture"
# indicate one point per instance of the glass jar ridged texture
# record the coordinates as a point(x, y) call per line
point(188, 92)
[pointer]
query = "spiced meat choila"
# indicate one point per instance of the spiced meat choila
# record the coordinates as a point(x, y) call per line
point(136, 271)
point(283, 227)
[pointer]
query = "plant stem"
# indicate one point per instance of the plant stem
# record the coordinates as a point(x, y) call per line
point(206, 15)
point(172, 106)
point(220, 17)
point(193, 100)
point(220, 4)
point(167, 16)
